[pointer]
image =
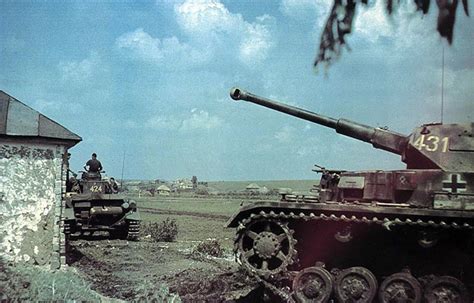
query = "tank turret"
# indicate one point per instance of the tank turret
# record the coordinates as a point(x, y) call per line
point(432, 146)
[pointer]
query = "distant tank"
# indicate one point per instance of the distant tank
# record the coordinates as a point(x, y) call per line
point(94, 207)
point(370, 236)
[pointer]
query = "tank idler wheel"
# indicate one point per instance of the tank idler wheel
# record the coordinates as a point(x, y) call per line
point(313, 285)
point(400, 287)
point(355, 284)
point(266, 247)
point(446, 289)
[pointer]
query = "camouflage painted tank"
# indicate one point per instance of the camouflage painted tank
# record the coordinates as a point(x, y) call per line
point(370, 236)
point(95, 208)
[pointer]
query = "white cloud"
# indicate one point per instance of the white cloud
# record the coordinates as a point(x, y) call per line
point(211, 21)
point(307, 10)
point(79, 70)
point(201, 119)
point(206, 16)
point(409, 28)
point(212, 31)
point(371, 21)
point(197, 120)
point(257, 42)
point(142, 44)
point(166, 51)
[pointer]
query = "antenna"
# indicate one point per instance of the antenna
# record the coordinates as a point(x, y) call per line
point(442, 87)
point(123, 166)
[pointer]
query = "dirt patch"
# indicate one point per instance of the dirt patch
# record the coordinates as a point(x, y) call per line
point(217, 286)
point(132, 270)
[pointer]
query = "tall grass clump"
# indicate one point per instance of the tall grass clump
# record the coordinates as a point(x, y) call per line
point(210, 247)
point(166, 231)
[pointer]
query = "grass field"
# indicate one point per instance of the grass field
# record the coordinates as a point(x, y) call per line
point(205, 205)
point(202, 217)
point(194, 216)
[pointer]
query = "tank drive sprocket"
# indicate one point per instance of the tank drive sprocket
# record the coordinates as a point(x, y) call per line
point(266, 247)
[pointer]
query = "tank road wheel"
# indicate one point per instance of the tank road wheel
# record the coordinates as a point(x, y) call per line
point(355, 284)
point(400, 287)
point(312, 285)
point(133, 230)
point(266, 247)
point(447, 290)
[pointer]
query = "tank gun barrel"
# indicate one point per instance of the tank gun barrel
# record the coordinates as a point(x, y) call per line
point(380, 138)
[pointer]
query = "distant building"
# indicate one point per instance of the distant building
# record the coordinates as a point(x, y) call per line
point(182, 185)
point(163, 190)
point(252, 188)
point(133, 188)
point(33, 167)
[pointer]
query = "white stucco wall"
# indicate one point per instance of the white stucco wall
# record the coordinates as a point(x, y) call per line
point(30, 193)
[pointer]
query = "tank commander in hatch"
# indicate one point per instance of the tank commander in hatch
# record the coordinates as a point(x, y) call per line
point(93, 166)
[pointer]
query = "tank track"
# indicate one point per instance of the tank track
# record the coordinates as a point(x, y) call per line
point(67, 228)
point(133, 230)
point(385, 222)
point(274, 283)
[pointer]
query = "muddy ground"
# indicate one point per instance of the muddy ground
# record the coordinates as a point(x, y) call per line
point(129, 270)
point(126, 270)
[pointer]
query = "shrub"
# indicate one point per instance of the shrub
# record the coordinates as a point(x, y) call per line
point(166, 231)
point(211, 247)
point(202, 190)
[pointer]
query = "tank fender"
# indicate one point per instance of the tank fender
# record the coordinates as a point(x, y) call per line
point(133, 215)
point(245, 212)
point(68, 214)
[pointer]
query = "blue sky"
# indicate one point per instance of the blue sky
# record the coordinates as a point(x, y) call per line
point(151, 80)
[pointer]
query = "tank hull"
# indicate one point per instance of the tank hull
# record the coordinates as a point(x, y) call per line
point(95, 211)
point(424, 245)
